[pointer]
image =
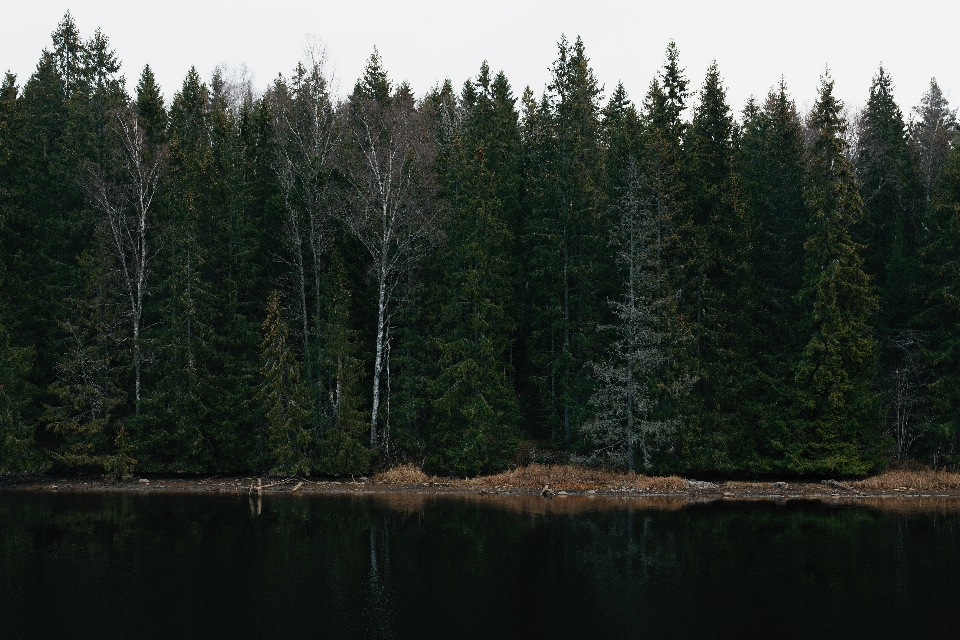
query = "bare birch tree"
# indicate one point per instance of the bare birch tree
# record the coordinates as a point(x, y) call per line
point(306, 142)
point(389, 169)
point(124, 193)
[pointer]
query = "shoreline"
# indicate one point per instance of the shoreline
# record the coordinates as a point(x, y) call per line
point(690, 490)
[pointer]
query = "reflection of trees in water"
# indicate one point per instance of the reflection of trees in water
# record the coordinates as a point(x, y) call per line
point(630, 557)
point(379, 605)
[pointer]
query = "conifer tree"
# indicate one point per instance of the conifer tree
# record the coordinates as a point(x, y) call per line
point(567, 237)
point(475, 408)
point(150, 108)
point(661, 164)
point(838, 427)
point(890, 194)
point(307, 138)
point(717, 243)
point(771, 174)
point(17, 447)
point(173, 434)
point(284, 397)
point(340, 448)
point(630, 381)
point(89, 420)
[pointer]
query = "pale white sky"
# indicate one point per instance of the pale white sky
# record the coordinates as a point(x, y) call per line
point(754, 42)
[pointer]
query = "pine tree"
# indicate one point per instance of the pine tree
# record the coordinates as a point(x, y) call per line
point(838, 427)
point(284, 397)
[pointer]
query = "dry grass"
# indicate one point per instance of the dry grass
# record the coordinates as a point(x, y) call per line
point(535, 476)
point(404, 474)
point(917, 480)
point(569, 477)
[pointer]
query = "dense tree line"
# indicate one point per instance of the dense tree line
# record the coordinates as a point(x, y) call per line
point(290, 283)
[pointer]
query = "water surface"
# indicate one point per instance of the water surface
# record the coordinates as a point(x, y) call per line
point(193, 566)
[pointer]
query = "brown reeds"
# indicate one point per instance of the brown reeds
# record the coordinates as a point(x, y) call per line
point(403, 474)
point(909, 480)
point(562, 477)
point(565, 477)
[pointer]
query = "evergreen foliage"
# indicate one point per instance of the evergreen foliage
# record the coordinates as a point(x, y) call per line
point(284, 397)
point(475, 406)
point(291, 284)
point(838, 427)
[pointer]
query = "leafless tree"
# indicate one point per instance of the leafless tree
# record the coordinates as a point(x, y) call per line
point(906, 386)
point(933, 130)
point(307, 140)
point(388, 164)
point(124, 193)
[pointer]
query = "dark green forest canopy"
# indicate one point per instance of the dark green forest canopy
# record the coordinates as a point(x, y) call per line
point(221, 280)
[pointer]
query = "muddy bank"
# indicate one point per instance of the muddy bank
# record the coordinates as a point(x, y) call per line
point(578, 486)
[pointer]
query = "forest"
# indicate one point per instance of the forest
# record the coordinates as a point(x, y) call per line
point(287, 282)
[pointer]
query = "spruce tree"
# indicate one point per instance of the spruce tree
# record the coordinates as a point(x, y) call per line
point(340, 449)
point(939, 319)
point(564, 228)
point(17, 448)
point(838, 427)
point(933, 129)
point(173, 434)
point(630, 380)
point(661, 164)
point(771, 174)
point(890, 194)
point(284, 397)
point(475, 407)
point(717, 243)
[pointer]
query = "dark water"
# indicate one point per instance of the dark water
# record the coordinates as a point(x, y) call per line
point(172, 566)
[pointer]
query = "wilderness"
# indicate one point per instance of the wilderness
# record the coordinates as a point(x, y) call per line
point(280, 282)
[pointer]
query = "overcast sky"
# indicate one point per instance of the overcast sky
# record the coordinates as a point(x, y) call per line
point(753, 42)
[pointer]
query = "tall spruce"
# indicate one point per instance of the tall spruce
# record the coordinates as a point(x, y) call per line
point(717, 242)
point(933, 129)
point(475, 405)
point(838, 428)
point(772, 176)
point(628, 423)
point(565, 229)
point(661, 164)
point(890, 232)
point(388, 162)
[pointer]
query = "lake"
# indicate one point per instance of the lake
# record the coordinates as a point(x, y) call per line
point(136, 565)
